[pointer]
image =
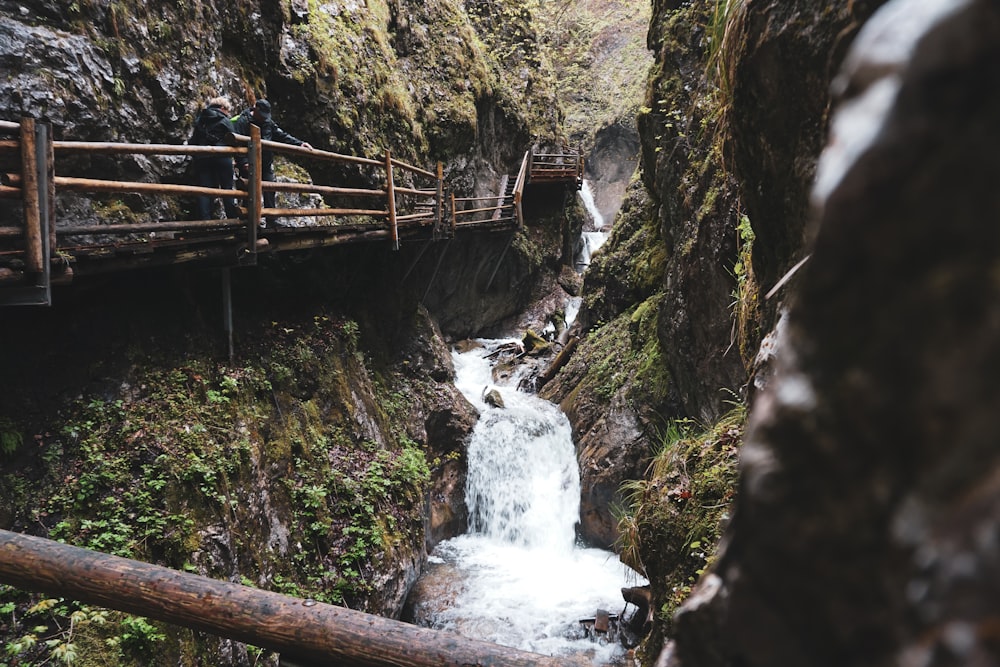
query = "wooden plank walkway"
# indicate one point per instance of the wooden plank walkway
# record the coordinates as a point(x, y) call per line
point(390, 201)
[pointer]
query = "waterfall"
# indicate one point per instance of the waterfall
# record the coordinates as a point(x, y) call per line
point(590, 241)
point(523, 484)
point(525, 582)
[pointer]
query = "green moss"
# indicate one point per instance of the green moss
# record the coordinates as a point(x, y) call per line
point(190, 447)
point(673, 519)
point(599, 60)
point(624, 360)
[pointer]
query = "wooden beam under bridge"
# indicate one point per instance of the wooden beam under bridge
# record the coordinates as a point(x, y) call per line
point(304, 631)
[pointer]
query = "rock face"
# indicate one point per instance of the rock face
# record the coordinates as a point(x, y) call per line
point(864, 531)
point(784, 56)
point(337, 434)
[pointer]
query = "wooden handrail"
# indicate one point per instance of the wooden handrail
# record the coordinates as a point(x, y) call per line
point(469, 211)
point(289, 149)
point(308, 212)
point(95, 185)
point(107, 148)
point(411, 201)
point(411, 168)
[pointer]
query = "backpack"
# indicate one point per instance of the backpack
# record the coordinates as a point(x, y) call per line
point(212, 128)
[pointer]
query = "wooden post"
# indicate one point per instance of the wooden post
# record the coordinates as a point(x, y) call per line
point(31, 195)
point(454, 222)
point(255, 199)
point(439, 206)
point(390, 189)
point(519, 212)
point(47, 161)
point(302, 630)
point(46, 201)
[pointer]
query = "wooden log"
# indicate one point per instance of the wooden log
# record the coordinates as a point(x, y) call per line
point(309, 152)
point(439, 196)
point(391, 200)
point(8, 126)
point(453, 216)
point(8, 192)
point(140, 227)
point(429, 215)
point(415, 170)
point(111, 148)
point(10, 145)
point(95, 185)
point(255, 193)
point(561, 360)
point(481, 210)
point(319, 212)
point(464, 199)
point(48, 167)
point(11, 179)
point(414, 191)
point(274, 186)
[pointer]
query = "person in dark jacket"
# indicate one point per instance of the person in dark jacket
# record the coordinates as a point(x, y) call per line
point(260, 115)
point(212, 128)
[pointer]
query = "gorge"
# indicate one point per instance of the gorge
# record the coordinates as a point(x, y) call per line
point(820, 493)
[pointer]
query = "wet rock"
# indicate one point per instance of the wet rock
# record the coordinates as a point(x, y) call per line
point(492, 397)
point(435, 592)
point(864, 529)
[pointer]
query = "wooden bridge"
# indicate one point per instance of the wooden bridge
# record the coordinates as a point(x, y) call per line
point(395, 201)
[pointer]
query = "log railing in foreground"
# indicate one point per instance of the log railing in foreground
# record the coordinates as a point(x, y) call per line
point(304, 631)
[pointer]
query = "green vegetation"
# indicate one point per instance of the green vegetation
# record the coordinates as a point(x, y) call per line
point(10, 437)
point(259, 468)
point(671, 522)
point(723, 42)
point(746, 295)
point(61, 632)
point(599, 57)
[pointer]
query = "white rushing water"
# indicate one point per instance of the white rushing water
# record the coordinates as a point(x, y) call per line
point(526, 584)
point(590, 241)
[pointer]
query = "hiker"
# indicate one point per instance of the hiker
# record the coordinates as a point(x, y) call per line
point(260, 115)
point(212, 128)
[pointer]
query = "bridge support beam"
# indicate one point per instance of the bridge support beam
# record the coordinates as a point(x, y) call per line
point(227, 308)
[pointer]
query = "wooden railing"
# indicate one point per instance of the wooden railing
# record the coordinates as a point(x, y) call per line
point(560, 167)
point(500, 210)
point(389, 200)
point(398, 200)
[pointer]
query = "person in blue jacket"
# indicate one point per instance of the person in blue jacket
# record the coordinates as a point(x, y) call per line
point(260, 115)
point(212, 128)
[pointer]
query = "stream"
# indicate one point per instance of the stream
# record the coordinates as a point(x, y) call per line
point(519, 577)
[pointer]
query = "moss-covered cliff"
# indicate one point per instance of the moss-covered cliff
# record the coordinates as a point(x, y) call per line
point(327, 454)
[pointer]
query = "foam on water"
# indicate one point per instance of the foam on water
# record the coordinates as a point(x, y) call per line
point(526, 582)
